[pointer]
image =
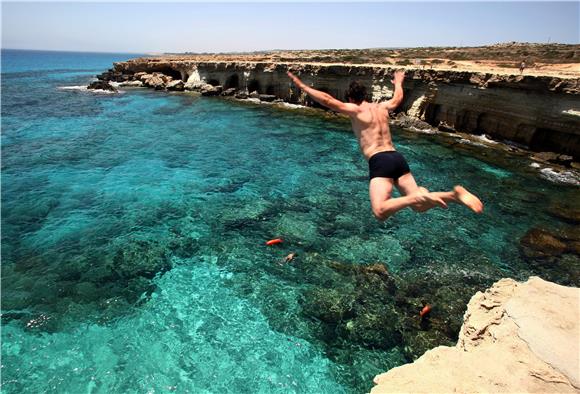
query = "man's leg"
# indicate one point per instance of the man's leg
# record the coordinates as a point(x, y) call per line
point(407, 185)
point(383, 205)
point(461, 195)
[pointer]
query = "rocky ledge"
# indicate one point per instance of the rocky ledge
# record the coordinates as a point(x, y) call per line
point(516, 337)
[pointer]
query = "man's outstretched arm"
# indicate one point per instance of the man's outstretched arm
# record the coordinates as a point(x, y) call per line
point(324, 98)
point(397, 98)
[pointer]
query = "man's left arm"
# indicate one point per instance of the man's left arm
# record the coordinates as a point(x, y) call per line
point(324, 98)
point(397, 98)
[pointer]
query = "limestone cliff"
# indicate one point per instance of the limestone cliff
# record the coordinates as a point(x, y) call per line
point(516, 338)
point(542, 113)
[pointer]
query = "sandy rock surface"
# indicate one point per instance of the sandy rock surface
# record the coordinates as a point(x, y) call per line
point(516, 337)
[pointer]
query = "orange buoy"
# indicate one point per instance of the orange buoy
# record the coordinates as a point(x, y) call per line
point(426, 309)
point(274, 241)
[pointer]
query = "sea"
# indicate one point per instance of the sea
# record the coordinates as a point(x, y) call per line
point(134, 229)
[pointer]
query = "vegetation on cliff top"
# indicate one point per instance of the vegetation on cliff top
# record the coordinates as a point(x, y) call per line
point(508, 52)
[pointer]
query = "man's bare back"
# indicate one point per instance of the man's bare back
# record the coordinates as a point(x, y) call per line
point(387, 168)
point(371, 127)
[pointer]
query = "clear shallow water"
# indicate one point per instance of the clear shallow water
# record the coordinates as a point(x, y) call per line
point(133, 231)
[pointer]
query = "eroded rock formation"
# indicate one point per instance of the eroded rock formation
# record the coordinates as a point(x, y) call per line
point(516, 337)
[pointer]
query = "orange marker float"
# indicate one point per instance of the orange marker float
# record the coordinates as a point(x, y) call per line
point(274, 241)
point(425, 311)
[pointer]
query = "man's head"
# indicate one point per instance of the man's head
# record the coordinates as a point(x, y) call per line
point(356, 92)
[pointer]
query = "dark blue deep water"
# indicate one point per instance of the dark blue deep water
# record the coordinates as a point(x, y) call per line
point(133, 230)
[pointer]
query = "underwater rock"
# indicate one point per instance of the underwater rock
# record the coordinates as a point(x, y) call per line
point(373, 330)
point(297, 228)
point(447, 290)
point(140, 258)
point(93, 286)
point(374, 279)
point(417, 342)
point(360, 313)
point(539, 242)
point(328, 305)
point(567, 213)
point(383, 309)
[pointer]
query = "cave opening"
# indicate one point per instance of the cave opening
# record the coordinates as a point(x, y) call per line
point(233, 81)
point(176, 75)
point(549, 140)
point(213, 82)
point(254, 86)
point(432, 112)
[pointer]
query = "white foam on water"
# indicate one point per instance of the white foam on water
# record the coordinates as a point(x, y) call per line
point(567, 177)
point(292, 106)
point(254, 100)
point(83, 88)
point(571, 112)
point(424, 131)
point(474, 143)
point(80, 87)
point(485, 138)
point(535, 165)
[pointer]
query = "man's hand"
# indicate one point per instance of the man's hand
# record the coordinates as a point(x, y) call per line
point(398, 77)
point(296, 80)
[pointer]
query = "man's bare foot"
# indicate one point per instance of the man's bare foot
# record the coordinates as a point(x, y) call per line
point(427, 200)
point(468, 199)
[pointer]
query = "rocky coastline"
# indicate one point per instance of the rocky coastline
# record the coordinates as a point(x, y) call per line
point(537, 113)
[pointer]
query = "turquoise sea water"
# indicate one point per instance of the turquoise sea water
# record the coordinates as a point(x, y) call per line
point(133, 230)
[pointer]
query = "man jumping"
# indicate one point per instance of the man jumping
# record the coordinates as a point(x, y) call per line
point(387, 167)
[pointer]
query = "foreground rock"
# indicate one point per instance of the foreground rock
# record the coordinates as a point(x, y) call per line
point(516, 337)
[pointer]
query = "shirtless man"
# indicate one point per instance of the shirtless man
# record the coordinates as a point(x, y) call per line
point(387, 167)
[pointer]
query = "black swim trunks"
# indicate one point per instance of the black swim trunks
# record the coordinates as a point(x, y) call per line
point(388, 164)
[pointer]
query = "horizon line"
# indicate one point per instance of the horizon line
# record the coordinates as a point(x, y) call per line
point(155, 53)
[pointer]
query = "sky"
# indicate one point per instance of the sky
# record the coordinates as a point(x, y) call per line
point(225, 27)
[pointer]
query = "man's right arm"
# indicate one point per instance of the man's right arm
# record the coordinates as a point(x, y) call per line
point(397, 98)
point(324, 98)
